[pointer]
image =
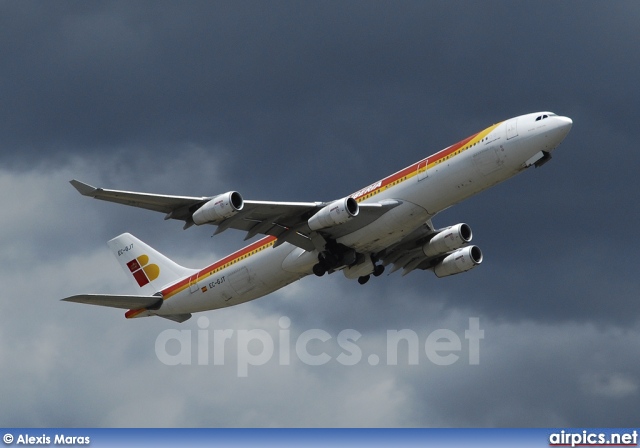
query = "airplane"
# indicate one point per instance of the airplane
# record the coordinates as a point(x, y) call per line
point(386, 223)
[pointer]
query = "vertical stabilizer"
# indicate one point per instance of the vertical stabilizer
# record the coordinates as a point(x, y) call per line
point(147, 268)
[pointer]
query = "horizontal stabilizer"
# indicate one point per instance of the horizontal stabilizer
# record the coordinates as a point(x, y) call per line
point(118, 301)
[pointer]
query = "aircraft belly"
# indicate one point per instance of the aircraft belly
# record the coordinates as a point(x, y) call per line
point(388, 229)
point(266, 275)
point(246, 280)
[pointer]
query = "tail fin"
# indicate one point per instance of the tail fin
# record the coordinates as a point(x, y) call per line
point(149, 270)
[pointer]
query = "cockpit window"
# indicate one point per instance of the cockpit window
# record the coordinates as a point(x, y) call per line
point(542, 117)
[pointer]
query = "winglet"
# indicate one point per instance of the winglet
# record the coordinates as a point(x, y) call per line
point(83, 189)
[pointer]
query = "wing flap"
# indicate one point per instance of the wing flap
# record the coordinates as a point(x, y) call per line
point(117, 301)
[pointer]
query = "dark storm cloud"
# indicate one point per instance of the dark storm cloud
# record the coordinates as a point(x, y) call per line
point(311, 101)
point(307, 83)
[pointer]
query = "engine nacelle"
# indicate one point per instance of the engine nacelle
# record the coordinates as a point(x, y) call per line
point(449, 239)
point(336, 213)
point(219, 208)
point(459, 261)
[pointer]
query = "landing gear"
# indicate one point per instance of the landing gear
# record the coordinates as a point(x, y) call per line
point(328, 259)
point(335, 257)
point(377, 271)
point(364, 279)
point(319, 269)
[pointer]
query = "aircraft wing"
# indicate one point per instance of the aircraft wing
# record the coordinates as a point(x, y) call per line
point(176, 207)
point(287, 221)
point(408, 253)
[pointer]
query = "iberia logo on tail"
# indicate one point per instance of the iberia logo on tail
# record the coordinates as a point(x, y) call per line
point(142, 271)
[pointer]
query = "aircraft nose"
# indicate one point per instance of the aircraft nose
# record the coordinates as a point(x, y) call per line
point(564, 125)
point(561, 128)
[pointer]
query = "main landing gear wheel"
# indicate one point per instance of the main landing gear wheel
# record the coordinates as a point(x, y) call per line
point(364, 279)
point(319, 270)
point(379, 269)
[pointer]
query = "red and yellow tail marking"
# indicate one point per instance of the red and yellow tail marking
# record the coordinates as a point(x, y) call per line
point(142, 271)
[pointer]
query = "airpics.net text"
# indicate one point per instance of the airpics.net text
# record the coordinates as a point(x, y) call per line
point(313, 347)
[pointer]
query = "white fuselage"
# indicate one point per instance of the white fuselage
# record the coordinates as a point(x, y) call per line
point(424, 189)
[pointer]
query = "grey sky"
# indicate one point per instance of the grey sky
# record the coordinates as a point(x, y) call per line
point(312, 101)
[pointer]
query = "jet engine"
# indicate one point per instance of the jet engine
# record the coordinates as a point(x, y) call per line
point(219, 208)
point(336, 213)
point(449, 239)
point(459, 261)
